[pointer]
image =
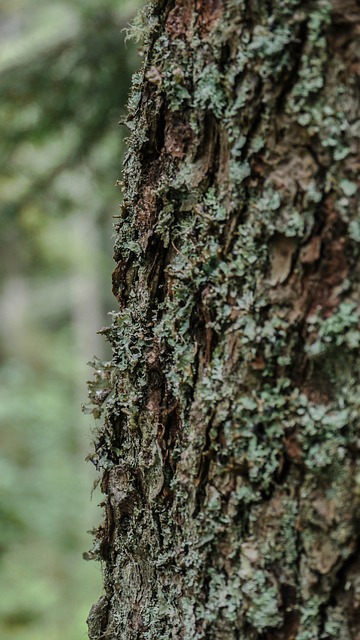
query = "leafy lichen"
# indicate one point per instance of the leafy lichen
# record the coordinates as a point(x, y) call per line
point(230, 434)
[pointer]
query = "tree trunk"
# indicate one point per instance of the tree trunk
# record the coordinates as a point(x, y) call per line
point(230, 447)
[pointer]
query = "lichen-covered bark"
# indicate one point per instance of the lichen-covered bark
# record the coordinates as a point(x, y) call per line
point(230, 446)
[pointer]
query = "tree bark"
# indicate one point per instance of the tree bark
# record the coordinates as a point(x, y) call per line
point(230, 443)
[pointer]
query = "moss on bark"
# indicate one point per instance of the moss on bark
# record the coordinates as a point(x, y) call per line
point(230, 442)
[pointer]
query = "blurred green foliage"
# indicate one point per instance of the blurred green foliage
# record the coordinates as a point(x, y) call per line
point(64, 78)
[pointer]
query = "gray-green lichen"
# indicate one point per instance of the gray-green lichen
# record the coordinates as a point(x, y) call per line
point(230, 443)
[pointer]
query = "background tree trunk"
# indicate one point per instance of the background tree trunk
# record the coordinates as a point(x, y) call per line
point(230, 445)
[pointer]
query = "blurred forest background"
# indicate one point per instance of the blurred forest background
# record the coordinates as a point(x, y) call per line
point(64, 80)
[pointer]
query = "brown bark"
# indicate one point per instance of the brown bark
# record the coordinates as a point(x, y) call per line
point(230, 446)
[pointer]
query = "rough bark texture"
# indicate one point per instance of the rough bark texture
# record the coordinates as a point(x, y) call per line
point(230, 449)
